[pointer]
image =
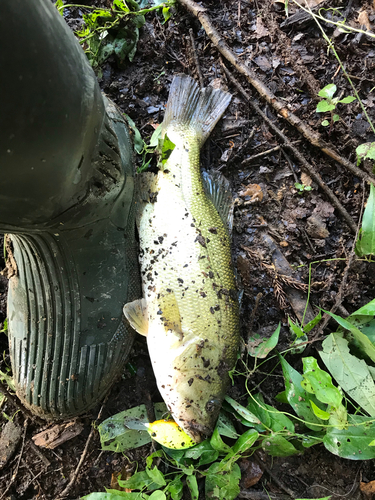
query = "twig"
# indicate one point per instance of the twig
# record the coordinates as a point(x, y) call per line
point(15, 402)
point(259, 155)
point(69, 486)
point(18, 461)
point(339, 297)
point(309, 168)
point(196, 60)
point(312, 136)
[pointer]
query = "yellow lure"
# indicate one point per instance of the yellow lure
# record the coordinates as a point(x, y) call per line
point(170, 435)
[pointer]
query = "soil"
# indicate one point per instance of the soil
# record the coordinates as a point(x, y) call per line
point(290, 57)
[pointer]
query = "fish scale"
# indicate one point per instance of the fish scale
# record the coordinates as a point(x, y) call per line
point(190, 301)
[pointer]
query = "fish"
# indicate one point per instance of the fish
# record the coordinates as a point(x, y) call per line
point(189, 311)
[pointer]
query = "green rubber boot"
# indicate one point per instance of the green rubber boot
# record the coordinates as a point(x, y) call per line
point(67, 208)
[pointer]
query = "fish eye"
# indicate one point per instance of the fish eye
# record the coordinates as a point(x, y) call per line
point(212, 405)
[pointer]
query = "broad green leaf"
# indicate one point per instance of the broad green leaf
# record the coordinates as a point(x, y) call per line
point(320, 382)
point(277, 446)
point(191, 481)
point(241, 410)
point(167, 149)
point(351, 373)
point(298, 398)
point(328, 91)
point(139, 481)
point(158, 495)
point(245, 441)
point(325, 123)
point(217, 443)
point(366, 310)
point(366, 150)
point(155, 137)
point(339, 417)
point(352, 443)
point(366, 244)
point(175, 488)
point(323, 415)
point(268, 415)
point(225, 426)
point(156, 476)
point(356, 337)
point(115, 436)
point(348, 99)
point(260, 348)
point(222, 485)
point(324, 106)
point(335, 118)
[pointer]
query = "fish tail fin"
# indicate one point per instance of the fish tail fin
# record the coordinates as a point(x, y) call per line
point(188, 106)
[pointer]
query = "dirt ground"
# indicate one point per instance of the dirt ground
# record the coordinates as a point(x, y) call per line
point(290, 57)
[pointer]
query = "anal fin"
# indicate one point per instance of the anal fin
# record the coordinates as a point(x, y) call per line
point(137, 315)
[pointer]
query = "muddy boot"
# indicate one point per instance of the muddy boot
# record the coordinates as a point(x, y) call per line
point(66, 193)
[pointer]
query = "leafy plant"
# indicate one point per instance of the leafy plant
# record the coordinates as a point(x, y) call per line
point(366, 241)
point(114, 30)
point(329, 103)
point(301, 188)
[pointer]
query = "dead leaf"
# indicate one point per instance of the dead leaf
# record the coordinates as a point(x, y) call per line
point(261, 30)
point(324, 209)
point(363, 20)
point(58, 434)
point(368, 490)
point(263, 63)
point(316, 228)
point(254, 191)
point(313, 3)
point(306, 179)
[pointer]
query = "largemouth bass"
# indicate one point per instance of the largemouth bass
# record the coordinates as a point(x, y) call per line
point(189, 311)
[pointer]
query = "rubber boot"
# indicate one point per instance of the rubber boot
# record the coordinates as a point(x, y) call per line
point(66, 204)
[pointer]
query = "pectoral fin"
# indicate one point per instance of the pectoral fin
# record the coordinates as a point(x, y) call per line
point(136, 313)
point(170, 313)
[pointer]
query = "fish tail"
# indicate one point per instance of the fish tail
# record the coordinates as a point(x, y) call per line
point(199, 110)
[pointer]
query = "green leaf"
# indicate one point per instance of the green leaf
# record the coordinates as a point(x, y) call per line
point(115, 495)
point(310, 325)
point(175, 488)
point(245, 441)
point(328, 91)
point(268, 415)
point(351, 373)
point(116, 436)
point(139, 144)
point(348, 99)
point(356, 337)
point(157, 495)
point(277, 446)
point(296, 329)
point(167, 149)
point(335, 118)
point(367, 310)
point(352, 443)
point(325, 123)
point(156, 476)
point(260, 348)
point(241, 410)
point(222, 485)
point(191, 481)
point(139, 481)
point(366, 150)
point(297, 397)
point(366, 244)
point(225, 426)
point(217, 443)
point(339, 417)
point(320, 382)
point(324, 106)
point(318, 412)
